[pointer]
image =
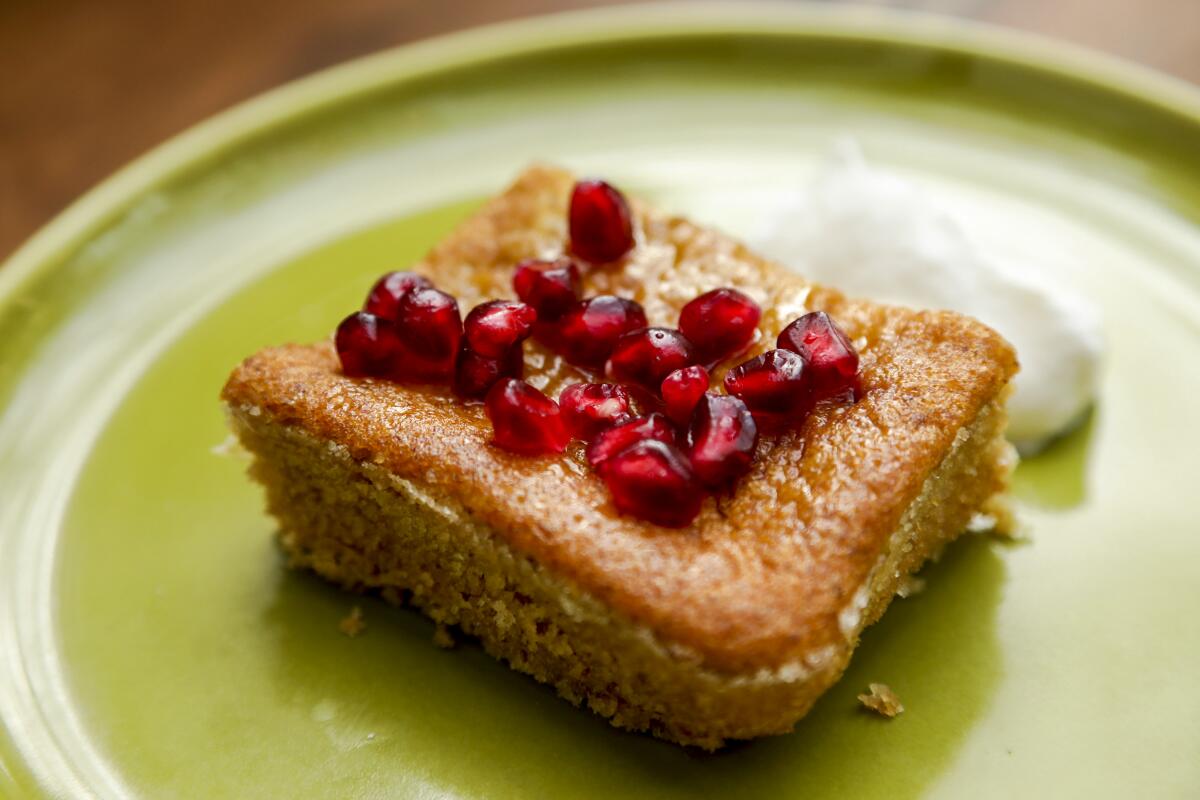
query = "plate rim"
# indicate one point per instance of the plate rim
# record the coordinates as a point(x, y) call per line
point(275, 108)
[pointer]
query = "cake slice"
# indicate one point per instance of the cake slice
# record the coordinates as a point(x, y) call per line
point(729, 628)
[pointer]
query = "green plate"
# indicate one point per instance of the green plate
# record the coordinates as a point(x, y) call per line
point(151, 642)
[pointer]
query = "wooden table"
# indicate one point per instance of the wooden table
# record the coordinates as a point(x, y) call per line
point(87, 85)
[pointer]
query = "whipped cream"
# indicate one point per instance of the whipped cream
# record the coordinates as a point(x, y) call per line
point(873, 234)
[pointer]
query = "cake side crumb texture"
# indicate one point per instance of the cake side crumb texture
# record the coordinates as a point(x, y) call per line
point(358, 525)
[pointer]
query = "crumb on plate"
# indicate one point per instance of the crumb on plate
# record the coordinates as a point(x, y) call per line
point(910, 585)
point(352, 624)
point(443, 638)
point(882, 700)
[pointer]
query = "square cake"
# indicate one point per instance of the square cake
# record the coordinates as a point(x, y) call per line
point(728, 628)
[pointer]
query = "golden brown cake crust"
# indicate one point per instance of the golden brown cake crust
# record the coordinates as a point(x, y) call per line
point(759, 579)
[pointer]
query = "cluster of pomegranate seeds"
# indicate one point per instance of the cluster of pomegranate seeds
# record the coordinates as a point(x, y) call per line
point(657, 466)
point(407, 332)
point(600, 224)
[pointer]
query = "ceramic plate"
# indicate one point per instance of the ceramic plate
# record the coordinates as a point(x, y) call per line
point(153, 645)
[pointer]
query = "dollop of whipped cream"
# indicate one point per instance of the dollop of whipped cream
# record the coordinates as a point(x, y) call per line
point(873, 234)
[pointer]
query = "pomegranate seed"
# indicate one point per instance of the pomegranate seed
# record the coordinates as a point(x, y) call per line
point(589, 408)
point(367, 345)
point(491, 329)
point(430, 330)
point(587, 334)
point(524, 420)
point(601, 229)
point(721, 323)
point(645, 357)
point(385, 296)
point(474, 374)
point(722, 439)
point(616, 439)
point(775, 386)
point(551, 287)
point(652, 481)
point(832, 359)
point(681, 390)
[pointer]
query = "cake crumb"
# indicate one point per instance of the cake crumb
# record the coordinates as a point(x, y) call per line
point(352, 624)
point(882, 700)
point(443, 638)
point(997, 519)
point(910, 585)
point(230, 446)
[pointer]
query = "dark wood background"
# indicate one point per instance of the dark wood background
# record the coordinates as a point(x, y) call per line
point(87, 85)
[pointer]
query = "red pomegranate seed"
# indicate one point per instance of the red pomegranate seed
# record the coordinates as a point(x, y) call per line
point(681, 390)
point(474, 374)
point(722, 439)
point(614, 440)
point(492, 328)
point(589, 408)
point(367, 345)
point(551, 287)
point(775, 386)
point(652, 481)
point(721, 323)
point(388, 291)
point(832, 359)
point(601, 228)
point(524, 420)
point(587, 334)
point(430, 330)
point(645, 357)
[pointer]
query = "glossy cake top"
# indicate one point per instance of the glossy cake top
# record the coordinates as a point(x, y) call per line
point(759, 578)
